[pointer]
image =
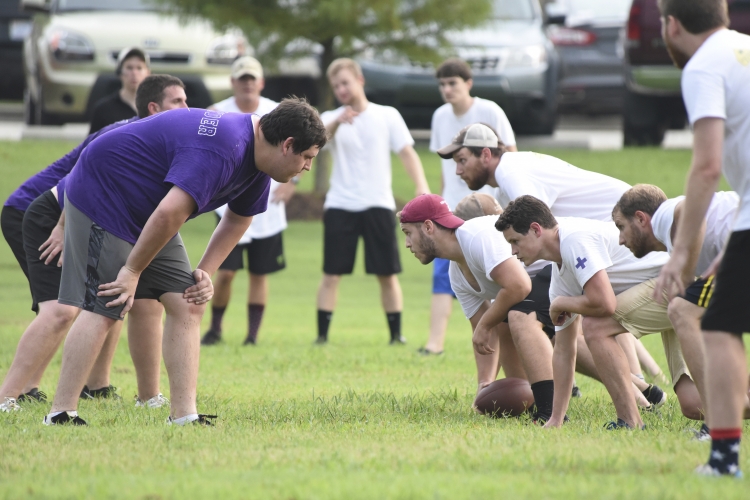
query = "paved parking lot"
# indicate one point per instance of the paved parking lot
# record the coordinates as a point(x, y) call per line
point(576, 132)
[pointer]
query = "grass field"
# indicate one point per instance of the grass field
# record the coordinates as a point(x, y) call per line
point(353, 419)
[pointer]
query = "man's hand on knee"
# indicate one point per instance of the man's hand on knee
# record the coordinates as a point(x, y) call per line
point(202, 291)
point(124, 287)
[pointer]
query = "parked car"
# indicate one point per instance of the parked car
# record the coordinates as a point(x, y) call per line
point(14, 26)
point(653, 100)
point(513, 62)
point(585, 34)
point(71, 53)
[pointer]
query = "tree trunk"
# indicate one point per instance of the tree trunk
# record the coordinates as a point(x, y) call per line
point(323, 161)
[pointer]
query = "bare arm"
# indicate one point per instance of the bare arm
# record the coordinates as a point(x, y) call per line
point(598, 300)
point(703, 178)
point(694, 250)
point(563, 372)
point(347, 116)
point(225, 237)
point(515, 286)
point(413, 167)
point(54, 244)
point(487, 365)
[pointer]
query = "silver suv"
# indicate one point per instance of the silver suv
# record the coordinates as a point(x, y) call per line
point(513, 64)
point(70, 56)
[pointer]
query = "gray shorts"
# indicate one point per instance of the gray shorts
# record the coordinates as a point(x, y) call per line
point(94, 257)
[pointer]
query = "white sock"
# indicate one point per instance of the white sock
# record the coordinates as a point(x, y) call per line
point(186, 419)
point(72, 413)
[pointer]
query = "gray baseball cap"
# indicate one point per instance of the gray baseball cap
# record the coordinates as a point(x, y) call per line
point(129, 52)
point(476, 135)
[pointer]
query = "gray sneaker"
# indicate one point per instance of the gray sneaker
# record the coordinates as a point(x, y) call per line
point(156, 402)
point(9, 405)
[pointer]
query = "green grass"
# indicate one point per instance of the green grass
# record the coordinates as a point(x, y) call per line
point(354, 419)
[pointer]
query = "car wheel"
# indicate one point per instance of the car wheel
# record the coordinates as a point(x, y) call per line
point(642, 123)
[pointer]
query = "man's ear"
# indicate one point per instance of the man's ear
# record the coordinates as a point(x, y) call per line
point(536, 228)
point(469, 83)
point(429, 227)
point(674, 27)
point(153, 108)
point(287, 146)
point(642, 218)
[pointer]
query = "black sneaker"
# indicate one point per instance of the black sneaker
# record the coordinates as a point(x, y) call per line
point(108, 392)
point(211, 337)
point(33, 396)
point(426, 352)
point(620, 424)
point(250, 340)
point(655, 396)
point(398, 340)
point(64, 418)
point(321, 340)
point(703, 434)
point(576, 393)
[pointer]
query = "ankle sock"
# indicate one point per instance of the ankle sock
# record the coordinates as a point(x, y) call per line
point(324, 321)
point(394, 324)
point(544, 394)
point(254, 318)
point(186, 419)
point(217, 314)
point(725, 450)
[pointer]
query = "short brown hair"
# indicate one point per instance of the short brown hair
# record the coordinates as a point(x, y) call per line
point(646, 198)
point(343, 63)
point(152, 89)
point(295, 118)
point(477, 205)
point(521, 212)
point(697, 16)
point(454, 67)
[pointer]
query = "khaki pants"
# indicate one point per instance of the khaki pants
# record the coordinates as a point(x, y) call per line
point(641, 315)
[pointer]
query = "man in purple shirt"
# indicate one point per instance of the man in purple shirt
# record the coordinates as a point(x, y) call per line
point(121, 222)
point(30, 225)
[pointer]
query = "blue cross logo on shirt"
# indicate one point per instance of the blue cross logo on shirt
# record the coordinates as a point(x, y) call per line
point(581, 263)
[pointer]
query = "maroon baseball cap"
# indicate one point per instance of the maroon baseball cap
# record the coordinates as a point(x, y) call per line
point(430, 207)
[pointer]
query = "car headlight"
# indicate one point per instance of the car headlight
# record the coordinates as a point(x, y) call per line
point(227, 48)
point(526, 57)
point(66, 45)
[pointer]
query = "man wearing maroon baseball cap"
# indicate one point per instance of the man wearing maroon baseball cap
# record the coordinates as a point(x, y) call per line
point(429, 207)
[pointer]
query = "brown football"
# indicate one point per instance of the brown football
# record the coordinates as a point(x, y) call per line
point(505, 397)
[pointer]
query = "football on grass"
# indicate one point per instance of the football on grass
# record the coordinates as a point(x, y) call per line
point(505, 397)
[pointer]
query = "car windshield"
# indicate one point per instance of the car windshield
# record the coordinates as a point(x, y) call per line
point(105, 5)
point(513, 10)
point(591, 10)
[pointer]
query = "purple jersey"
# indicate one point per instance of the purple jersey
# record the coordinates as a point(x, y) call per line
point(122, 176)
point(48, 178)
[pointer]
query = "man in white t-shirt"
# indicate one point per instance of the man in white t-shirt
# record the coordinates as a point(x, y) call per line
point(263, 240)
point(460, 109)
point(481, 159)
point(716, 72)
point(596, 277)
point(360, 200)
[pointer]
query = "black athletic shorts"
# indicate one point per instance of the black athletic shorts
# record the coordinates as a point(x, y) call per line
point(40, 219)
point(538, 301)
point(729, 309)
point(11, 220)
point(700, 291)
point(377, 226)
point(264, 256)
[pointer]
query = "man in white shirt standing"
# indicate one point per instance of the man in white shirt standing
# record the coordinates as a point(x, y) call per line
point(460, 109)
point(360, 200)
point(716, 72)
point(647, 220)
point(263, 241)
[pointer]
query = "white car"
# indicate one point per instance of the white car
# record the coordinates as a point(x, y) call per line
point(70, 55)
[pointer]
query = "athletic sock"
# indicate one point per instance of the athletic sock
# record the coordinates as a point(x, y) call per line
point(185, 420)
point(725, 450)
point(217, 314)
point(324, 321)
point(394, 324)
point(544, 394)
point(254, 317)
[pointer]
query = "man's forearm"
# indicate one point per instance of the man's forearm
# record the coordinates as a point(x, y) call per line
point(161, 227)
point(498, 310)
point(226, 236)
point(563, 370)
point(701, 185)
point(414, 170)
point(581, 305)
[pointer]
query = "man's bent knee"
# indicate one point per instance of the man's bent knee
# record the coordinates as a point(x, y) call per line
point(689, 398)
point(59, 316)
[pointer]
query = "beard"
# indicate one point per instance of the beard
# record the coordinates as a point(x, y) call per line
point(426, 250)
point(679, 57)
point(639, 246)
point(478, 181)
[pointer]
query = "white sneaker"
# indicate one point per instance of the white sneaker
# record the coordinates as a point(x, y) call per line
point(706, 470)
point(9, 405)
point(156, 402)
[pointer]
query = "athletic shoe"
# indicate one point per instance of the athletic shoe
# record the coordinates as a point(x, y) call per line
point(655, 396)
point(211, 337)
point(34, 395)
point(156, 402)
point(109, 392)
point(321, 340)
point(201, 420)
point(250, 340)
point(426, 352)
point(64, 418)
point(703, 434)
point(9, 405)
point(708, 471)
point(398, 340)
point(620, 424)
point(576, 393)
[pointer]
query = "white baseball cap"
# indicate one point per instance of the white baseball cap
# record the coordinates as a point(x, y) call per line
point(476, 135)
point(247, 65)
